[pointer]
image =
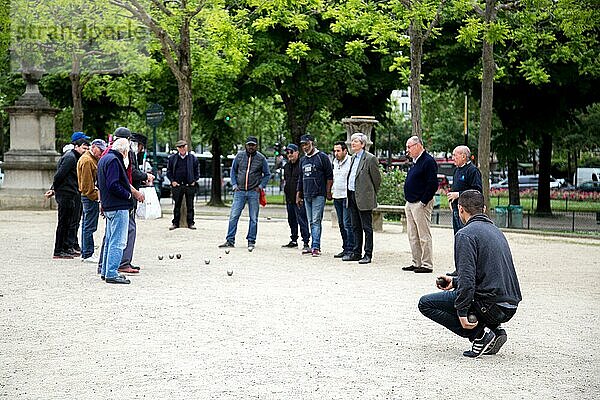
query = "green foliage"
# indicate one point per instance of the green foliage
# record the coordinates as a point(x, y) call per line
point(391, 191)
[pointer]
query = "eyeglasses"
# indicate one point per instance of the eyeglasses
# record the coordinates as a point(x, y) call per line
point(409, 146)
point(289, 152)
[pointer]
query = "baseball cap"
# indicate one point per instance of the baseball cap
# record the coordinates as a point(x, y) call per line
point(306, 138)
point(79, 135)
point(99, 143)
point(292, 147)
point(251, 140)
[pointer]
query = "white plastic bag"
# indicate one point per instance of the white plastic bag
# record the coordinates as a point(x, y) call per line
point(150, 208)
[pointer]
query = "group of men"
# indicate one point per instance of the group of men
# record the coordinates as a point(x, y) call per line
point(482, 293)
point(94, 178)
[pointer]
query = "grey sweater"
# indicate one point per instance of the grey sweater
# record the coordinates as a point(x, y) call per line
point(485, 266)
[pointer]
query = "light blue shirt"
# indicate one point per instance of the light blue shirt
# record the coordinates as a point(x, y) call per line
point(354, 170)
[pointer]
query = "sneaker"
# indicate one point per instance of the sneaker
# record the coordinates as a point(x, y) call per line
point(292, 244)
point(497, 343)
point(90, 259)
point(481, 344)
point(62, 256)
point(306, 249)
point(227, 244)
point(316, 253)
point(73, 252)
point(251, 246)
point(173, 227)
point(192, 227)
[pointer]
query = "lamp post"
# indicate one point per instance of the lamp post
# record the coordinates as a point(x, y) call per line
point(155, 115)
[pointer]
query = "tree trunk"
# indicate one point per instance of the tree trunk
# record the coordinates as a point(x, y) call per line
point(487, 100)
point(215, 187)
point(296, 128)
point(76, 89)
point(184, 83)
point(543, 204)
point(416, 56)
point(514, 196)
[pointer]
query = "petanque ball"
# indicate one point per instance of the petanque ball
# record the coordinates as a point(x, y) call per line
point(160, 257)
point(472, 318)
point(171, 256)
point(178, 256)
point(206, 261)
point(229, 273)
point(227, 251)
point(441, 282)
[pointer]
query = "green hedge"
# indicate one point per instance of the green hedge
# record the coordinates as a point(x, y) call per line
point(392, 188)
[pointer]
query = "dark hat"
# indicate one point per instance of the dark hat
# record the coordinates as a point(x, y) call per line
point(139, 138)
point(78, 135)
point(99, 143)
point(251, 140)
point(180, 143)
point(292, 147)
point(122, 132)
point(306, 139)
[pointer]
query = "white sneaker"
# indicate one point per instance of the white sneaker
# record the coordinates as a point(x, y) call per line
point(91, 260)
point(250, 247)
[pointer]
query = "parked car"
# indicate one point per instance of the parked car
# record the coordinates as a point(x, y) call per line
point(589, 186)
point(526, 182)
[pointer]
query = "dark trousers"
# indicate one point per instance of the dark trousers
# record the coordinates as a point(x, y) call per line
point(439, 307)
point(362, 222)
point(456, 222)
point(178, 192)
point(296, 216)
point(131, 234)
point(66, 214)
point(345, 224)
point(72, 240)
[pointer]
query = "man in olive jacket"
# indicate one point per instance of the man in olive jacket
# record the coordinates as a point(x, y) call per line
point(364, 180)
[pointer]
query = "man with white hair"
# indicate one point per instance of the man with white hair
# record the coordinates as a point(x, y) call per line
point(419, 189)
point(364, 180)
point(116, 201)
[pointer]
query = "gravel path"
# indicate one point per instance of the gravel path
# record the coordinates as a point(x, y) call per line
point(284, 326)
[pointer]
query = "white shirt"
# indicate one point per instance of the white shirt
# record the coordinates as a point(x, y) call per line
point(340, 177)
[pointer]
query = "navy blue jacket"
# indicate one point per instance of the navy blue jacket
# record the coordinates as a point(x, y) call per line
point(65, 179)
point(113, 184)
point(316, 171)
point(421, 181)
point(465, 178)
point(191, 165)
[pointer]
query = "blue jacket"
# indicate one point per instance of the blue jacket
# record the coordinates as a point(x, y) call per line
point(421, 182)
point(113, 184)
point(316, 171)
point(257, 172)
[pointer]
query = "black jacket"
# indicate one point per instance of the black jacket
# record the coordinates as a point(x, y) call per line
point(485, 266)
point(193, 172)
point(291, 173)
point(65, 179)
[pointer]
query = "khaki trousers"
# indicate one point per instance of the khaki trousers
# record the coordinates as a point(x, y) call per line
point(418, 221)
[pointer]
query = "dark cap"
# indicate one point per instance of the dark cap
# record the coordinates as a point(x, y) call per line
point(122, 132)
point(306, 139)
point(79, 135)
point(251, 140)
point(292, 147)
point(139, 138)
point(180, 143)
point(99, 143)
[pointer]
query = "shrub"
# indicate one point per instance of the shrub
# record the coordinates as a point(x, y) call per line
point(391, 191)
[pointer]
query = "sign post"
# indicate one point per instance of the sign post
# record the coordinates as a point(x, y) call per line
point(155, 115)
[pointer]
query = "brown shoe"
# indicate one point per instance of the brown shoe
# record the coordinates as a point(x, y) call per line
point(173, 227)
point(128, 270)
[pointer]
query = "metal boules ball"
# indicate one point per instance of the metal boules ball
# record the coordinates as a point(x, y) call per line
point(171, 256)
point(229, 273)
point(160, 257)
point(227, 251)
point(206, 261)
point(178, 256)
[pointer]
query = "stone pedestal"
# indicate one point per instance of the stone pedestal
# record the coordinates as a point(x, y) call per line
point(363, 124)
point(30, 163)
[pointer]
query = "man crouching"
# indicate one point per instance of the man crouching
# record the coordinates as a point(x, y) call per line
point(486, 288)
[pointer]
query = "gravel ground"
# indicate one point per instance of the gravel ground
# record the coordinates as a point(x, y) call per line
point(284, 326)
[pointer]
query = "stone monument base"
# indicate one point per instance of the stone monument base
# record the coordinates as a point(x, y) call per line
point(25, 199)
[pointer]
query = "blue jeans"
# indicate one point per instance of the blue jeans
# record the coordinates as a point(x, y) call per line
point(314, 214)
point(297, 216)
point(343, 217)
point(456, 222)
point(240, 198)
point(115, 239)
point(91, 210)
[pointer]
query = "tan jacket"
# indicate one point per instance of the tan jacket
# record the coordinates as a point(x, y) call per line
point(367, 182)
point(87, 171)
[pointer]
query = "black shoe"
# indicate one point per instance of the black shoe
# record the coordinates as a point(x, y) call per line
point(409, 268)
point(134, 267)
point(497, 343)
point(73, 252)
point(480, 345)
point(422, 270)
point(453, 273)
point(118, 279)
point(365, 260)
point(63, 256)
point(292, 245)
point(192, 226)
point(173, 227)
point(227, 244)
point(340, 255)
point(351, 257)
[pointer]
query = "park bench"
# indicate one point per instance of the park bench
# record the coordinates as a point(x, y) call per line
point(382, 209)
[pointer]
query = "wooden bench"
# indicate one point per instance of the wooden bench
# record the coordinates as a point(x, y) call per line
point(378, 216)
point(387, 209)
